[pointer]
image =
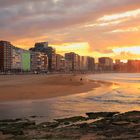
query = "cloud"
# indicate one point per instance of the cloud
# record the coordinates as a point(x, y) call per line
point(127, 55)
point(131, 29)
point(128, 14)
point(66, 21)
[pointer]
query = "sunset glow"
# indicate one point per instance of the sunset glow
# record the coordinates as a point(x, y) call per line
point(127, 14)
point(80, 48)
point(88, 28)
point(69, 69)
point(133, 50)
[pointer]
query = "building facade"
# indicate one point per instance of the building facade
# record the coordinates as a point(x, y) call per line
point(10, 57)
point(13, 58)
point(39, 61)
point(68, 65)
point(49, 51)
point(91, 63)
point(75, 60)
point(60, 62)
point(83, 63)
point(133, 66)
point(25, 60)
point(16, 64)
point(5, 55)
point(106, 64)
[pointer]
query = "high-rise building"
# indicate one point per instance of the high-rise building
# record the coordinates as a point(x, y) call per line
point(58, 61)
point(13, 58)
point(68, 65)
point(5, 55)
point(91, 63)
point(118, 66)
point(133, 66)
point(39, 61)
point(106, 64)
point(41, 45)
point(87, 63)
point(63, 65)
point(16, 59)
point(51, 53)
point(83, 63)
point(75, 59)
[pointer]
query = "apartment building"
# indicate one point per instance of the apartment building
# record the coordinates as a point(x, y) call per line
point(39, 61)
point(105, 64)
point(49, 51)
point(13, 58)
point(75, 59)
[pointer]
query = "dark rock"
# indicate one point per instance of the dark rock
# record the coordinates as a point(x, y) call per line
point(83, 125)
point(102, 124)
point(49, 125)
point(133, 116)
point(92, 115)
point(66, 123)
point(13, 131)
point(33, 116)
point(108, 126)
point(15, 128)
point(10, 120)
point(71, 119)
point(120, 123)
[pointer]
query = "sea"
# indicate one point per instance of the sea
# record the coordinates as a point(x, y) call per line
point(122, 95)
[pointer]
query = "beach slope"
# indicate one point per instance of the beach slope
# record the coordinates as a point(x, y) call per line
point(26, 87)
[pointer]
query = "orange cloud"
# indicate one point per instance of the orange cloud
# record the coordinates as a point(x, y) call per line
point(86, 27)
point(128, 14)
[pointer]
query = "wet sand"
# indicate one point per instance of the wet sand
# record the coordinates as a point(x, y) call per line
point(26, 87)
point(89, 126)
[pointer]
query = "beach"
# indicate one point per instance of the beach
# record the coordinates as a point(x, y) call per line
point(26, 87)
point(70, 107)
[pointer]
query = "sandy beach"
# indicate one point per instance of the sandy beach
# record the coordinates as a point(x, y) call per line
point(26, 87)
point(109, 112)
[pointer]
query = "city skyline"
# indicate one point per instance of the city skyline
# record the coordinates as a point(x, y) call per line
point(69, 51)
point(89, 28)
point(44, 58)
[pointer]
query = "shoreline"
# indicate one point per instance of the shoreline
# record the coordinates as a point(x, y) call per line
point(92, 125)
point(27, 87)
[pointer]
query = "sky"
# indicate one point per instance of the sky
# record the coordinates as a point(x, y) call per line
point(88, 27)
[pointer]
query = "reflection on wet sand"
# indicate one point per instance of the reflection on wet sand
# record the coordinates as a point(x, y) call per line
point(115, 95)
